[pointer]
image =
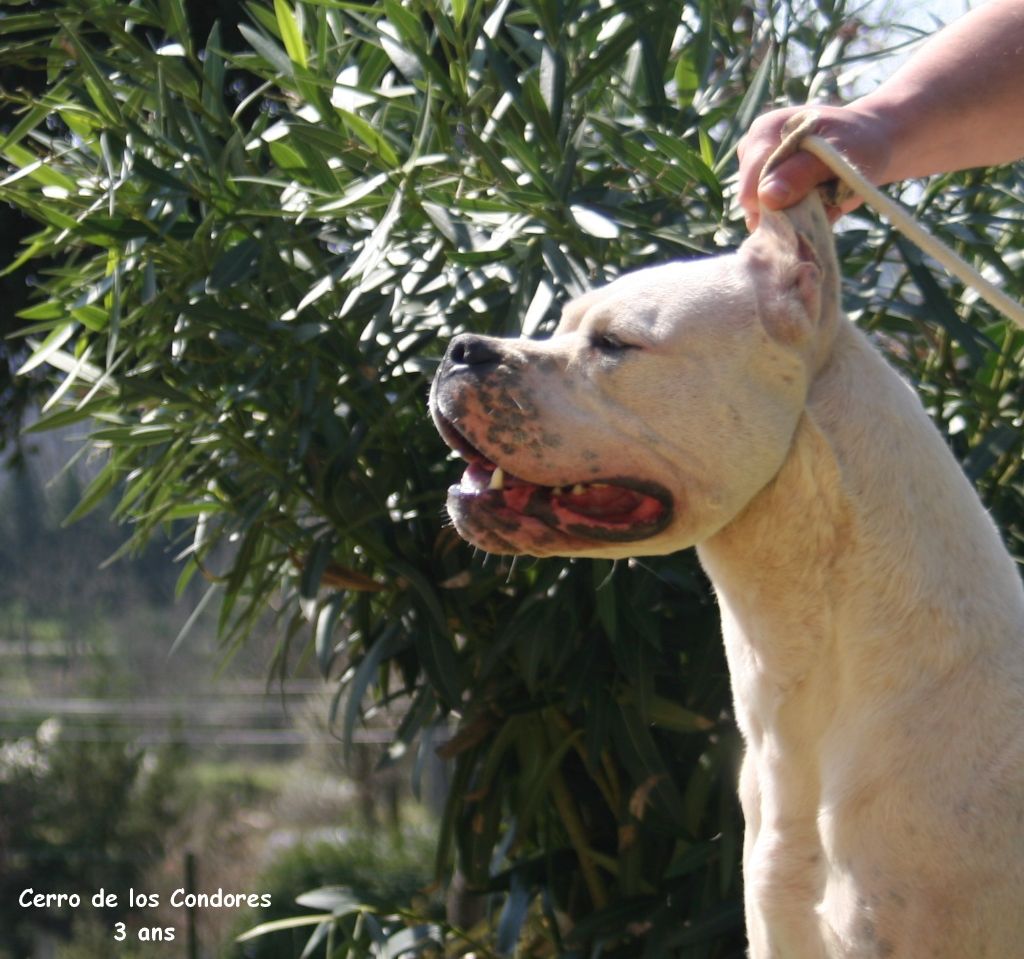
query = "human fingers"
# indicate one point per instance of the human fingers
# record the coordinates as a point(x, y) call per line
point(787, 183)
point(859, 137)
point(792, 180)
point(754, 149)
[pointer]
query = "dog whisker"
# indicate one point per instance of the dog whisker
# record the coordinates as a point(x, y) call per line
point(512, 568)
point(604, 582)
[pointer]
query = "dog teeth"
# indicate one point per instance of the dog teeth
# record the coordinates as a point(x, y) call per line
point(497, 480)
point(577, 489)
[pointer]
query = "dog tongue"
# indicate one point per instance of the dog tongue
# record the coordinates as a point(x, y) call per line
point(610, 504)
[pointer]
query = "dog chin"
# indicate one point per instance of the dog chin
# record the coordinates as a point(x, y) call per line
point(501, 537)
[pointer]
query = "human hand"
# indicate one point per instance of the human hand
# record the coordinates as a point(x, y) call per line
point(858, 134)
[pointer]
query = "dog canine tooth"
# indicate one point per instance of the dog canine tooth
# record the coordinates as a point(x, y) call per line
point(497, 480)
point(579, 489)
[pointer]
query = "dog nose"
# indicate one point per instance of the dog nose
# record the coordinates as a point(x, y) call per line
point(474, 351)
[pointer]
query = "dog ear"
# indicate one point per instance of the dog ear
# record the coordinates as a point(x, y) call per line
point(792, 256)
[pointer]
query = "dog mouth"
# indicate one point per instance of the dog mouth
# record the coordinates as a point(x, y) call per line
point(614, 509)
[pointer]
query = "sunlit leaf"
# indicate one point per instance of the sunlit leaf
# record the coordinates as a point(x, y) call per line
point(294, 45)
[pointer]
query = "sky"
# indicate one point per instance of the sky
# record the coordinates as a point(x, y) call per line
point(921, 14)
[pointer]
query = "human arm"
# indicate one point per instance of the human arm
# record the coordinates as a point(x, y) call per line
point(957, 103)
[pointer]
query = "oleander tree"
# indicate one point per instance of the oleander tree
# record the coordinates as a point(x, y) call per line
point(250, 247)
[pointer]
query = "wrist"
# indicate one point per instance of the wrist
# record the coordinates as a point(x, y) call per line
point(884, 121)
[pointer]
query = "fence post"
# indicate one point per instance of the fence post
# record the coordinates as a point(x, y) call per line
point(191, 938)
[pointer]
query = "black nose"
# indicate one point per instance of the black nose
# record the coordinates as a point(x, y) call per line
point(474, 351)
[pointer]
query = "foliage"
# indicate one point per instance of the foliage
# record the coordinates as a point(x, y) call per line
point(259, 255)
point(964, 360)
point(56, 821)
point(375, 871)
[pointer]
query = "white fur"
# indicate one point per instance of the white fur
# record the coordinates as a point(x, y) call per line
point(874, 626)
point(873, 621)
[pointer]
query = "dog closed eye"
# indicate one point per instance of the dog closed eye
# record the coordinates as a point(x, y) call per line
point(610, 343)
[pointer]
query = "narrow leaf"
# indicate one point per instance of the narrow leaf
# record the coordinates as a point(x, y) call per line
point(95, 493)
point(290, 33)
point(45, 351)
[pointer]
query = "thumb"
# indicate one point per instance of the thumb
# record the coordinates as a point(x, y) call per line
point(792, 180)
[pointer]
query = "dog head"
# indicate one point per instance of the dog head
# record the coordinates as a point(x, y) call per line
point(659, 407)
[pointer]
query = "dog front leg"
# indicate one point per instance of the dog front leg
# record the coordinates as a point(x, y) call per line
point(782, 870)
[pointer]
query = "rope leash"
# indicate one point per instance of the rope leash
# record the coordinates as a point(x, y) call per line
point(798, 134)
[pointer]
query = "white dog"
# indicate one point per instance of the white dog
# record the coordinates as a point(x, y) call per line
point(873, 621)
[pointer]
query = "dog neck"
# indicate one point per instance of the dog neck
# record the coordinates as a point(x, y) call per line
point(841, 565)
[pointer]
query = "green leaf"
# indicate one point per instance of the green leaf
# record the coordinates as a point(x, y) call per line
point(25, 22)
point(591, 221)
point(434, 644)
point(175, 21)
point(339, 900)
point(601, 64)
point(940, 308)
point(140, 434)
point(748, 109)
point(33, 117)
point(95, 493)
point(691, 161)
point(281, 925)
point(992, 446)
point(669, 714)
point(288, 25)
point(48, 310)
point(641, 752)
point(234, 266)
point(536, 791)
point(35, 167)
point(100, 89)
point(408, 25)
point(271, 53)
point(552, 83)
point(46, 350)
point(371, 137)
point(61, 418)
point(686, 78)
point(390, 641)
point(214, 72)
